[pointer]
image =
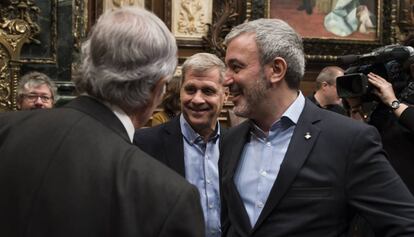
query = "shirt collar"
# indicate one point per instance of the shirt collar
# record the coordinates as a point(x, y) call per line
point(295, 109)
point(288, 118)
point(124, 118)
point(192, 136)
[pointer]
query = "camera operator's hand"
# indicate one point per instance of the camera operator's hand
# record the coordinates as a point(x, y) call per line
point(383, 89)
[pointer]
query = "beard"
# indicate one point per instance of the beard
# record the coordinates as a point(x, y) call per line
point(252, 98)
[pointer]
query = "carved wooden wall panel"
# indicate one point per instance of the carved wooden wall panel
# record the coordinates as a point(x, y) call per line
point(405, 18)
point(112, 4)
point(190, 18)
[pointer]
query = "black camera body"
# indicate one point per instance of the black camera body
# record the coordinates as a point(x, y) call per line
point(388, 62)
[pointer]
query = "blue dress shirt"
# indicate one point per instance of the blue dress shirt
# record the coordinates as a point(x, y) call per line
point(201, 170)
point(261, 159)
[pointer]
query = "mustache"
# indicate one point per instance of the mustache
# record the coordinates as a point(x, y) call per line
point(198, 108)
point(235, 89)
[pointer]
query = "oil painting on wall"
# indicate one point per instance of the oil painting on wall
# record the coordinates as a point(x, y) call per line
point(330, 19)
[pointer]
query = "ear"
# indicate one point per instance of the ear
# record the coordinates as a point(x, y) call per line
point(278, 70)
point(158, 91)
point(325, 84)
point(140, 117)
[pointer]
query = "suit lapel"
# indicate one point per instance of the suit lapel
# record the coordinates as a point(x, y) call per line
point(299, 148)
point(100, 112)
point(231, 157)
point(173, 145)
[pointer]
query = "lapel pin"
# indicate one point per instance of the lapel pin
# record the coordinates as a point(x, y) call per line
point(307, 136)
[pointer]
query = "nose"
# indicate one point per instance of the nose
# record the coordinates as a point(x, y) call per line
point(228, 78)
point(38, 100)
point(39, 103)
point(198, 98)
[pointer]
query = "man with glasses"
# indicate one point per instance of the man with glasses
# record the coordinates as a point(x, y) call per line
point(35, 91)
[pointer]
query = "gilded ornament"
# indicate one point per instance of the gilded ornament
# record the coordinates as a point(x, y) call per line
point(191, 18)
point(16, 29)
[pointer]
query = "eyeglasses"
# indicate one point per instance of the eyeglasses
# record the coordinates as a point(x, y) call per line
point(33, 98)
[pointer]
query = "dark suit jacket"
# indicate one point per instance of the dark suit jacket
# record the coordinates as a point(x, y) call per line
point(323, 181)
point(398, 140)
point(165, 143)
point(407, 118)
point(331, 107)
point(74, 172)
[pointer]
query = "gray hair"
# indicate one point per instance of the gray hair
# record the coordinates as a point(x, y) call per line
point(129, 51)
point(202, 62)
point(275, 38)
point(32, 80)
point(328, 75)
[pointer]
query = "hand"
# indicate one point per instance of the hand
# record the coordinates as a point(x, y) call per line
point(383, 89)
point(385, 92)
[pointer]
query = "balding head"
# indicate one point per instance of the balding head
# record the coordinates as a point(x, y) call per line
point(326, 93)
point(328, 75)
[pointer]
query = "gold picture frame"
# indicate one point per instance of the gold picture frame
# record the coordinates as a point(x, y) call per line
point(325, 41)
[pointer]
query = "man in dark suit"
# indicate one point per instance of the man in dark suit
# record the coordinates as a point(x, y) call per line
point(189, 144)
point(294, 169)
point(74, 171)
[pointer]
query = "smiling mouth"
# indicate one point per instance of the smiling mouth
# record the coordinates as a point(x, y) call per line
point(198, 110)
point(236, 94)
point(235, 90)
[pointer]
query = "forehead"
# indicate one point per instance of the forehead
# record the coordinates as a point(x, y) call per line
point(40, 89)
point(243, 47)
point(209, 77)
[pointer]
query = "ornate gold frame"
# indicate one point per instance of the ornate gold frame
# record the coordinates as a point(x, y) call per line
point(17, 27)
point(392, 16)
point(52, 42)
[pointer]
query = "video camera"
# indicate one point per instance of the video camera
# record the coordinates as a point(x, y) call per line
point(389, 62)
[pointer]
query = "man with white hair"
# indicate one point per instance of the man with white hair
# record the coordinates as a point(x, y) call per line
point(74, 171)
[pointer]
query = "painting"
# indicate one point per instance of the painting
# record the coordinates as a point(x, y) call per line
point(330, 19)
point(332, 28)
